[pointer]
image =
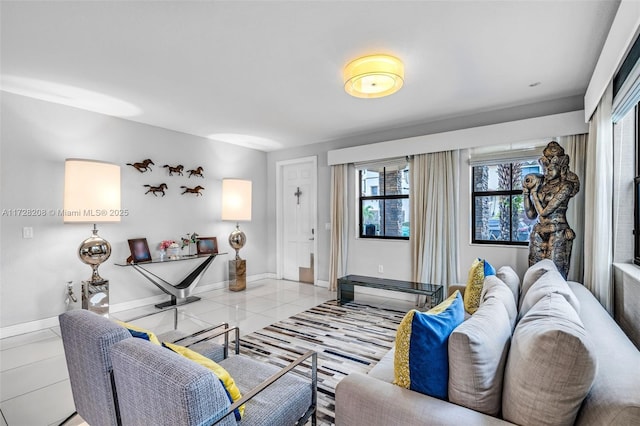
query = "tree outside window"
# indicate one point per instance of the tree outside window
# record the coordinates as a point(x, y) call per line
point(498, 215)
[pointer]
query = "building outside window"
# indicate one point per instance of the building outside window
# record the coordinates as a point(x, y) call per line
point(383, 204)
point(497, 204)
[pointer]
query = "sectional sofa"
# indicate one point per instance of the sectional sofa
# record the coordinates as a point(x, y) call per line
point(537, 352)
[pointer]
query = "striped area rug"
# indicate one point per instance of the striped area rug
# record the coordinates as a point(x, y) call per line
point(349, 338)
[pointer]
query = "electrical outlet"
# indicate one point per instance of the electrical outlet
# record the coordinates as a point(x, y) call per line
point(327, 226)
point(380, 269)
point(27, 232)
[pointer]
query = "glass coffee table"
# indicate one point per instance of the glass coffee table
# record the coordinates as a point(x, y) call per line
point(433, 292)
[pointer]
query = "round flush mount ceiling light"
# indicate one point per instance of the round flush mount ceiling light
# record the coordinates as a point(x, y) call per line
point(373, 76)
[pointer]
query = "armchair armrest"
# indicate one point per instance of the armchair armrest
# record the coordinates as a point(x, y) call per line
point(224, 332)
point(271, 380)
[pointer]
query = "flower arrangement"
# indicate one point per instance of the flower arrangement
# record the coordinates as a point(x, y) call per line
point(191, 239)
point(165, 244)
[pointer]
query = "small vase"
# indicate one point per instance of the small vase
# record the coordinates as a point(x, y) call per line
point(173, 252)
point(193, 249)
point(162, 255)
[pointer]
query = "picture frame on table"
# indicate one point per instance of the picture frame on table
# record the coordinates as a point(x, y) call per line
point(207, 245)
point(139, 250)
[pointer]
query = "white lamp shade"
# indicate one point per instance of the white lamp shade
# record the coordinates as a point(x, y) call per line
point(91, 191)
point(236, 199)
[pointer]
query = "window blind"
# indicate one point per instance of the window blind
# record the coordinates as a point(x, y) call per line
point(489, 156)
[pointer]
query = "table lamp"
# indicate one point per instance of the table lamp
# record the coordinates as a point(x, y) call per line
point(92, 195)
point(236, 206)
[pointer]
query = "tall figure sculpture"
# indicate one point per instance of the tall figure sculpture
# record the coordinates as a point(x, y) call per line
point(547, 197)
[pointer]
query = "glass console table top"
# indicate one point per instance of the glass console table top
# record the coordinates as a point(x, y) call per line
point(167, 260)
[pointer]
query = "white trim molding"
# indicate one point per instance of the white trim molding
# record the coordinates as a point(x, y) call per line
point(623, 32)
point(568, 123)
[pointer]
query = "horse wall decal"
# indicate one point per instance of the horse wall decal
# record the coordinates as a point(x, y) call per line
point(177, 169)
point(143, 166)
point(154, 189)
point(196, 172)
point(195, 190)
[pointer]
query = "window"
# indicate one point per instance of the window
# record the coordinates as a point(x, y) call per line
point(635, 116)
point(497, 203)
point(384, 200)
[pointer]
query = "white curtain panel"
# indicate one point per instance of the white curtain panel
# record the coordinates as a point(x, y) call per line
point(598, 200)
point(339, 224)
point(434, 217)
point(576, 147)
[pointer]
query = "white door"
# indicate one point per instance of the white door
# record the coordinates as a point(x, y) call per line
point(298, 207)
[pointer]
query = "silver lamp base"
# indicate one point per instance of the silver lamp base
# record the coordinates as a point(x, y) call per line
point(237, 267)
point(95, 292)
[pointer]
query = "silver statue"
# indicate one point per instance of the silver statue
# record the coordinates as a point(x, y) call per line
point(547, 197)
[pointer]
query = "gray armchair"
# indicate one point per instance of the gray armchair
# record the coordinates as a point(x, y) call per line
point(87, 339)
point(157, 386)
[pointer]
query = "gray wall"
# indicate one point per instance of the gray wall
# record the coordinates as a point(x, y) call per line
point(364, 256)
point(36, 138)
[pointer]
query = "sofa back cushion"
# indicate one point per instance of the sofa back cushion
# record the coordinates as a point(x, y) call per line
point(551, 282)
point(551, 365)
point(533, 274)
point(495, 288)
point(511, 279)
point(478, 351)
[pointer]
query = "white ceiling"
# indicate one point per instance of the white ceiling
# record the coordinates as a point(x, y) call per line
point(273, 69)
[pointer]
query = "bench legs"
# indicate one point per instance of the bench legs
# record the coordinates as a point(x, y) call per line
point(345, 292)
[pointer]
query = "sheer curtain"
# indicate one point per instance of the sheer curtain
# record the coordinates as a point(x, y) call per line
point(434, 217)
point(598, 200)
point(339, 224)
point(576, 147)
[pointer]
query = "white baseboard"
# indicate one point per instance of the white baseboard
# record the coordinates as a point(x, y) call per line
point(321, 283)
point(31, 326)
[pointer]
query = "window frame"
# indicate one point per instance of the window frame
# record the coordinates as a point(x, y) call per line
point(636, 191)
point(504, 193)
point(380, 197)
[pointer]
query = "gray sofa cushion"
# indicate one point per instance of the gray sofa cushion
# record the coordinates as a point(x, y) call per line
point(533, 274)
point(551, 365)
point(478, 351)
point(291, 394)
point(551, 282)
point(614, 399)
point(495, 288)
point(511, 279)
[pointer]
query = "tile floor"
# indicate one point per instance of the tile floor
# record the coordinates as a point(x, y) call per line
point(34, 383)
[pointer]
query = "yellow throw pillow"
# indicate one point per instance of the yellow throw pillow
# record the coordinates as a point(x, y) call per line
point(140, 332)
point(480, 269)
point(223, 375)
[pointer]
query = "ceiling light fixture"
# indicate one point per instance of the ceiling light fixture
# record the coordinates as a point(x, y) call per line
point(373, 76)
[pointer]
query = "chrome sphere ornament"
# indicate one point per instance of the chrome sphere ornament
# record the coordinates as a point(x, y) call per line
point(93, 251)
point(237, 239)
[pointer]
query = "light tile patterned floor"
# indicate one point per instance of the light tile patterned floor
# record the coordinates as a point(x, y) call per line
point(34, 383)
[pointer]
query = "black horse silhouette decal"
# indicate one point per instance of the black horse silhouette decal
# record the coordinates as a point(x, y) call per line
point(154, 189)
point(143, 166)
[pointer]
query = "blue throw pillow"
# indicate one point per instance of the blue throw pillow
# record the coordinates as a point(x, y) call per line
point(421, 360)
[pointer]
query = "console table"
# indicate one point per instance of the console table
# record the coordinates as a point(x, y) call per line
point(433, 292)
point(180, 293)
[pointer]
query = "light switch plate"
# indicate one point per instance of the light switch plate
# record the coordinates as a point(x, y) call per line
point(27, 232)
